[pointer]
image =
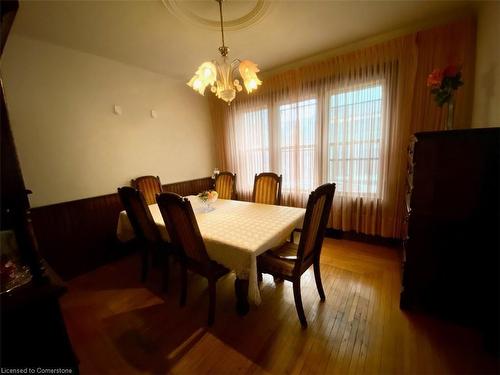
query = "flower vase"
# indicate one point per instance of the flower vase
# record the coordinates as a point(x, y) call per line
point(204, 205)
point(207, 206)
point(450, 114)
point(207, 198)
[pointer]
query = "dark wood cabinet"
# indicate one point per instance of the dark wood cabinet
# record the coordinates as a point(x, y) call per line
point(33, 333)
point(451, 250)
point(33, 330)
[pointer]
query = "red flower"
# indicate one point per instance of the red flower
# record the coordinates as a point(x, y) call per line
point(444, 82)
point(451, 70)
point(435, 78)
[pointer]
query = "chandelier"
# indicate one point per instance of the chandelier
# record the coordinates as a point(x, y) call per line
point(221, 74)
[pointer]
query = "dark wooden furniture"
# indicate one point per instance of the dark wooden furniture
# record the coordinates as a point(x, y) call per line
point(32, 327)
point(149, 186)
point(225, 185)
point(146, 231)
point(267, 188)
point(290, 261)
point(451, 251)
point(182, 226)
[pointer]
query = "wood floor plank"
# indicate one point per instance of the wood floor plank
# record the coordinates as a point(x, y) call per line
point(119, 326)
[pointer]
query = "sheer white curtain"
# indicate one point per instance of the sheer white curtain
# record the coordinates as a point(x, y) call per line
point(357, 126)
point(252, 144)
point(298, 147)
point(335, 121)
point(278, 132)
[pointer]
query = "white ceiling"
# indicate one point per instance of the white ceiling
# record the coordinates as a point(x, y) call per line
point(145, 34)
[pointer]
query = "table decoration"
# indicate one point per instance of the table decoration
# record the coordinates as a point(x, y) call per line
point(208, 197)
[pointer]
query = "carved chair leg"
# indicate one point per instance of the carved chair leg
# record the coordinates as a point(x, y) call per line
point(298, 303)
point(319, 284)
point(156, 257)
point(145, 264)
point(166, 271)
point(211, 306)
point(183, 284)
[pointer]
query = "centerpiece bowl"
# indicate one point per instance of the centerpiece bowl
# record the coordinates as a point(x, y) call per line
point(208, 197)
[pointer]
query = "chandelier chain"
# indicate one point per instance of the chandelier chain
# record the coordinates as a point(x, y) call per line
point(222, 49)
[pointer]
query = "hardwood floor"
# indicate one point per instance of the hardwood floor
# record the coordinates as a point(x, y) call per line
point(119, 326)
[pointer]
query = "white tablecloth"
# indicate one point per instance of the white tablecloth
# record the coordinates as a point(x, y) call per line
point(234, 232)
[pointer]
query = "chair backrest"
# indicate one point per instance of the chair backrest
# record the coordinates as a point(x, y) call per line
point(225, 185)
point(139, 215)
point(149, 186)
point(267, 188)
point(313, 230)
point(182, 226)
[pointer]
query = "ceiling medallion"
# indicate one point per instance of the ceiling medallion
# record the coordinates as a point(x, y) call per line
point(243, 15)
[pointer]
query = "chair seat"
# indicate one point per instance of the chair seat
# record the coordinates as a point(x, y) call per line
point(273, 261)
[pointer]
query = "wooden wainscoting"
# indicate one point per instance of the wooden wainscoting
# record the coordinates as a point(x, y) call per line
point(78, 236)
point(190, 187)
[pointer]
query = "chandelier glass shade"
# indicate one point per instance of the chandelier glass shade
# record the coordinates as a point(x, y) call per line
point(222, 74)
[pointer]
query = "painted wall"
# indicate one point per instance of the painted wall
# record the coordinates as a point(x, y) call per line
point(70, 143)
point(487, 83)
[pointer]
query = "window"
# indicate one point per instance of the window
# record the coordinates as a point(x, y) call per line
point(252, 135)
point(297, 144)
point(343, 145)
point(354, 134)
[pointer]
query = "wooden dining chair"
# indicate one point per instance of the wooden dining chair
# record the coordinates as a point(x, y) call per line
point(225, 185)
point(290, 261)
point(185, 234)
point(149, 186)
point(267, 188)
point(146, 231)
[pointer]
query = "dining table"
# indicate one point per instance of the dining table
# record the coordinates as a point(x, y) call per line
point(235, 233)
